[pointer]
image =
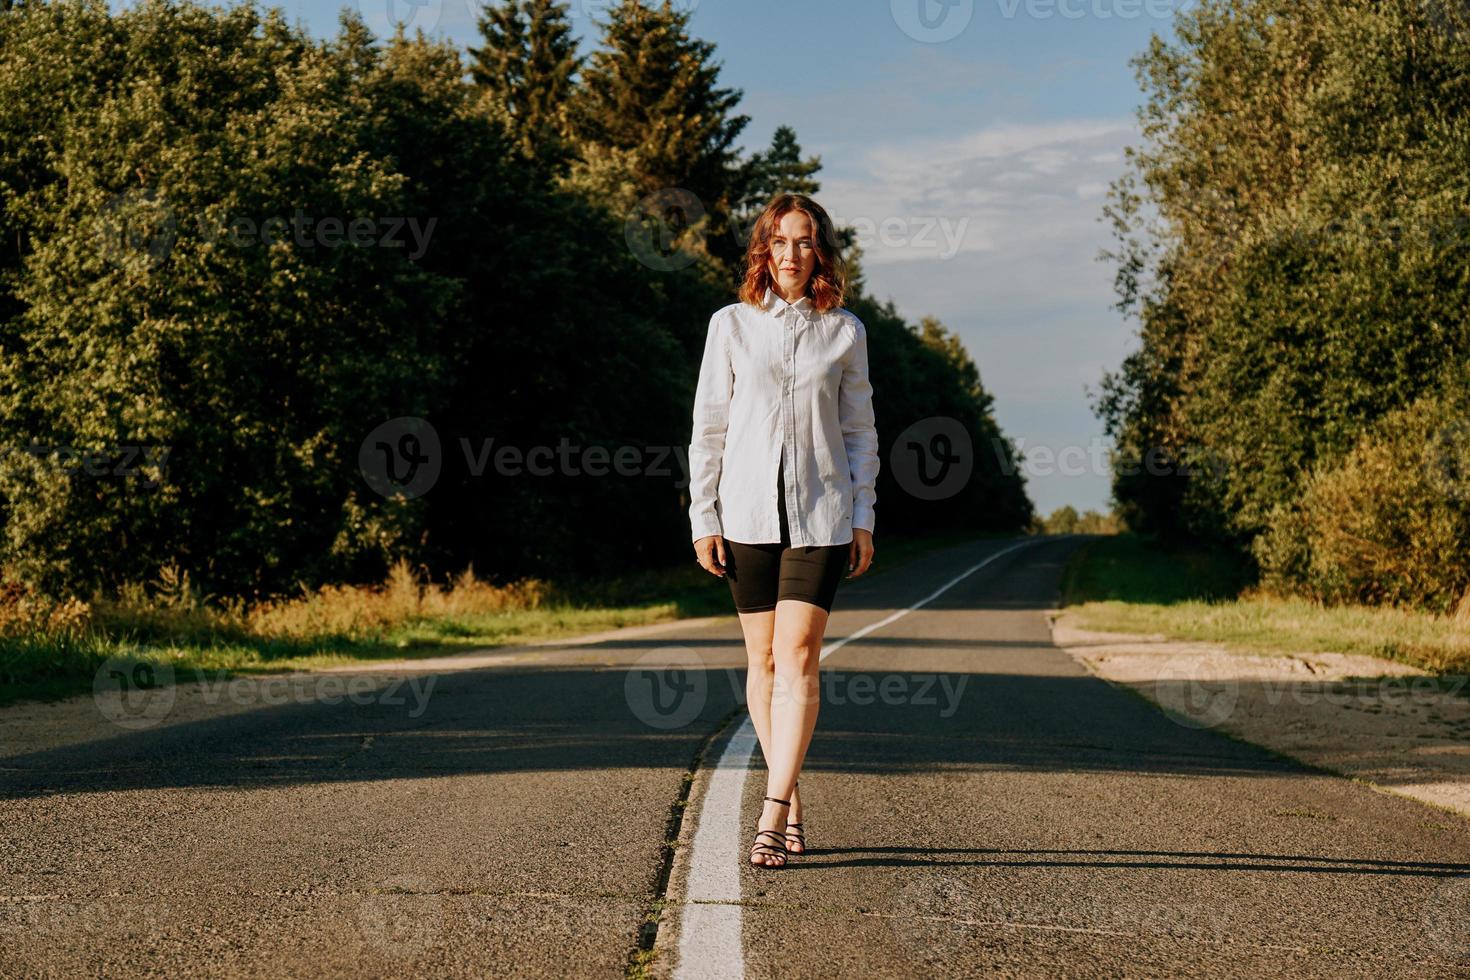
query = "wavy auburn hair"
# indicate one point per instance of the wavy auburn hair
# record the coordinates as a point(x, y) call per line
point(828, 281)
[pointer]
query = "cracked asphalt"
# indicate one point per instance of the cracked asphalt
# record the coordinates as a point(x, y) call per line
point(977, 804)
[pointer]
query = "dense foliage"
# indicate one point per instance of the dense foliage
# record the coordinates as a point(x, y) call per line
point(233, 258)
point(1295, 242)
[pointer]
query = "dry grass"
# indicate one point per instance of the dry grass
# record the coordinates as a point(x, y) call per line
point(1120, 585)
point(60, 644)
point(361, 613)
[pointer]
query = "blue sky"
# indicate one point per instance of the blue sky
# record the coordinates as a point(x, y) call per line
point(971, 142)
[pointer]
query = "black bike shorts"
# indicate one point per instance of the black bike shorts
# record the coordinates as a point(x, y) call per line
point(760, 575)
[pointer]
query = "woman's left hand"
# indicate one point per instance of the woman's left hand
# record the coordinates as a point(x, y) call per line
point(860, 552)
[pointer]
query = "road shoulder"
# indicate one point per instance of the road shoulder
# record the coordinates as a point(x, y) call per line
point(1385, 723)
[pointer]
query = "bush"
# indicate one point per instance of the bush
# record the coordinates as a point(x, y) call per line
point(1389, 523)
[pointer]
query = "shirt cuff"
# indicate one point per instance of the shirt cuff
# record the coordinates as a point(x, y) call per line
point(704, 528)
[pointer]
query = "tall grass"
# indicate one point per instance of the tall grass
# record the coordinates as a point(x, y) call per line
point(51, 648)
point(1127, 584)
point(44, 642)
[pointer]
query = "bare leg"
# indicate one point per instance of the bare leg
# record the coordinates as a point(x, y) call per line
point(760, 676)
point(796, 649)
point(761, 673)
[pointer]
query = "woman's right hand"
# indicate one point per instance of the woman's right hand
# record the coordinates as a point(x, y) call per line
point(707, 549)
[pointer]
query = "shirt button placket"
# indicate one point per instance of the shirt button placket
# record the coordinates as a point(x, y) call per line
point(798, 531)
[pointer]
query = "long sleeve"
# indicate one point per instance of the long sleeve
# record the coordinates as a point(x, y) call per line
point(859, 434)
point(711, 419)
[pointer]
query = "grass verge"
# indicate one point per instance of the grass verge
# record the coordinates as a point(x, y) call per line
point(1125, 583)
point(50, 650)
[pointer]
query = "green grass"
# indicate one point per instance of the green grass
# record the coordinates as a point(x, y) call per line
point(1123, 583)
point(197, 643)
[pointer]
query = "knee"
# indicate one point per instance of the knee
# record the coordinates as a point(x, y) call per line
point(761, 658)
point(800, 655)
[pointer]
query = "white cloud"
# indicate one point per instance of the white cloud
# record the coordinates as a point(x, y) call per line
point(1018, 277)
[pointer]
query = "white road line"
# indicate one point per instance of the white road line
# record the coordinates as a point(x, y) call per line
point(710, 930)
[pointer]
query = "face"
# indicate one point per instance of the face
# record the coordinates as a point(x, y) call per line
point(793, 252)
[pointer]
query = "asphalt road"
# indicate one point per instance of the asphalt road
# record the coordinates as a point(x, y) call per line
point(977, 805)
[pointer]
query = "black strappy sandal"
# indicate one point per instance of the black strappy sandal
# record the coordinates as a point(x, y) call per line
point(763, 848)
point(798, 834)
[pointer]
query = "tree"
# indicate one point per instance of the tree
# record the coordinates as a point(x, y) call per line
point(650, 118)
point(527, 64)
point(1293, 245)
point(779, 169)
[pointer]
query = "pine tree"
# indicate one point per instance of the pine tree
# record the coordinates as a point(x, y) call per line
point(527, 64)
point(649, 114)
point(778, 170)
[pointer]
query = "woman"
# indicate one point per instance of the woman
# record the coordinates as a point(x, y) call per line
point(782, 469)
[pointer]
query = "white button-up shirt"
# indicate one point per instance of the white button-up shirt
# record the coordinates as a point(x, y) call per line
point(783, 382)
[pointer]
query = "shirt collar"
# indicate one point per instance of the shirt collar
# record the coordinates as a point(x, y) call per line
point(777, 306)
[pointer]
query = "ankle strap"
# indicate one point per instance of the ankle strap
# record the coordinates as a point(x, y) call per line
point(774, 800)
